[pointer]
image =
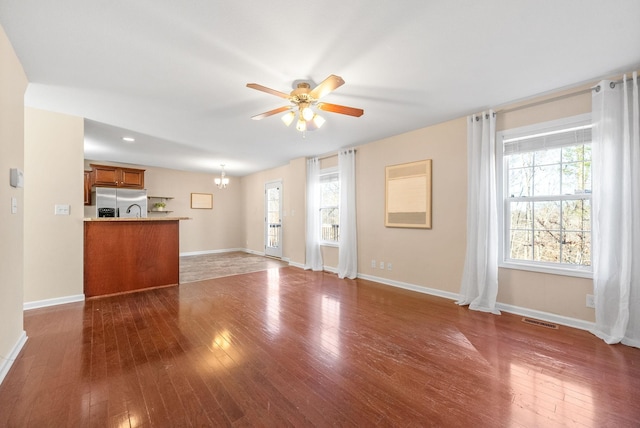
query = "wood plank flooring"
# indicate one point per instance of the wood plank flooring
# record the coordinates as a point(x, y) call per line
point(287, 347)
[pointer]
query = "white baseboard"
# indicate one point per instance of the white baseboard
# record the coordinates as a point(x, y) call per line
point(546, 316)
point(224, 250)
point(257, 253)
point(297, 265)
point(412, 287)
point(227, 250)
point(330, 269)
point(7, 362)
point(53, 302)
point(516, 310)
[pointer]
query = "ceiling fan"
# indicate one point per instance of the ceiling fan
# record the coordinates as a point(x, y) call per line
point(302, 99)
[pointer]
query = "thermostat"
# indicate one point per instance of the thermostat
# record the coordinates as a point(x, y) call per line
point(16, 177)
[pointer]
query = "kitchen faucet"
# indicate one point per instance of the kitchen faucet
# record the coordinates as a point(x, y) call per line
point(139, 209)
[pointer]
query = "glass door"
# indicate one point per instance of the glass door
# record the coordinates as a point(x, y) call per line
point(273, 219)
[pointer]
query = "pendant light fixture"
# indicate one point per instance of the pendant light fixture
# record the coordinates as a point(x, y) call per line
point(223, 181)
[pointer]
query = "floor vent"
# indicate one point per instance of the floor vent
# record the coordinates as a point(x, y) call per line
point(540, 323)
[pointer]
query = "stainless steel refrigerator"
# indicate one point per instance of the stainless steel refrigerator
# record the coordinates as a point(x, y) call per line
point(126, 203)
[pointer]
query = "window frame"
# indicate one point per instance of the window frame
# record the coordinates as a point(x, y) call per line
point(328, 171)
point(504, 225)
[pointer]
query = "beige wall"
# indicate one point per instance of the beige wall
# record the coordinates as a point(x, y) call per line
point(54, 153)
point(216, 229)
point(556, 294)
point(253, 203)
point(13, 83)
point(433, 258)
point(294, 212)
point(293, 200)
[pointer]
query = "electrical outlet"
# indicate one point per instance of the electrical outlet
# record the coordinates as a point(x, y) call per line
point(591, 301)
point(389, 266)
point(373, 264)
point(381, 265)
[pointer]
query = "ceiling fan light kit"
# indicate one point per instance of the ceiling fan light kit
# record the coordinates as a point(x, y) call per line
point(302, 99)
point(287, 118)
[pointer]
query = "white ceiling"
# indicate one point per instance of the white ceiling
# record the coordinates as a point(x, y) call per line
point(173, 74)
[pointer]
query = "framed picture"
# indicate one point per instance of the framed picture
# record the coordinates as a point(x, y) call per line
point(408, 195)
point(202, 201)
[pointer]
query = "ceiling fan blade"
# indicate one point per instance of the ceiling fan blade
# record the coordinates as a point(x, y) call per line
point(335, 108)
point(267, 90)
point(329, 84)
point(270, 112)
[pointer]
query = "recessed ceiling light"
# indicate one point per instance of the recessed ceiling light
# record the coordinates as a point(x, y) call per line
point(128, 139)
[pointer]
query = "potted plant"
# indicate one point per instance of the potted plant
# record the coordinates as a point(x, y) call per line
point(159, 206)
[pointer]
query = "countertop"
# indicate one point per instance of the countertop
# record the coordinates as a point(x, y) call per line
point(136, 219)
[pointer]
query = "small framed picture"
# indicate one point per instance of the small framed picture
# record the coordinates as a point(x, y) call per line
point(202, 201)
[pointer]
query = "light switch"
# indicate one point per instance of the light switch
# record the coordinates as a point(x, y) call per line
point(62, 209)
point(14, 205)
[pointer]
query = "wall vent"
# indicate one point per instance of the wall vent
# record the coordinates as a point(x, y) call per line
point(546, 324)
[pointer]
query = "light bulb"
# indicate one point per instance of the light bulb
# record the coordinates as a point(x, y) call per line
point(287, 118)
point(301, 125)
point(318, 120)
point(307, 113)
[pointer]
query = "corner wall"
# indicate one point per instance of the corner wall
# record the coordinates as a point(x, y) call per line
point(13, 83)
point(293, 178)
point(54, 153)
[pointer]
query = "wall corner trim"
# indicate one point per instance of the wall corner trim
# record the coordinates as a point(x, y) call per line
point(6, 363)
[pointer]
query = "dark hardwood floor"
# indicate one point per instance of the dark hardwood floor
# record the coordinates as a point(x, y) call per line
point(287, 347)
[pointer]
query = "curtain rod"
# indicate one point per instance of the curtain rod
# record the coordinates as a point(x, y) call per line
point(613, 83)
point(332, 154)
point(559, 97)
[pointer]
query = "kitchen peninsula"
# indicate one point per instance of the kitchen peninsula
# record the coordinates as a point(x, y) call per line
point(128, 254)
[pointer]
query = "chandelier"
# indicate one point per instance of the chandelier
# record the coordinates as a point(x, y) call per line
point(223, 181)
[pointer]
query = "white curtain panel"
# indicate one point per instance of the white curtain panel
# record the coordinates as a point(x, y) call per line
point(479, 287)
point(348, 255)
point(616, 211)
point(313, 255)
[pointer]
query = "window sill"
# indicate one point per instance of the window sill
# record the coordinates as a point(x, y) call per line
point(553, 270)
point(329, 244)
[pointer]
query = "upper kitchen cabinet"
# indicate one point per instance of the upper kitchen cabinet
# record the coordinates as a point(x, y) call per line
point(115, 176)
point(87, 187)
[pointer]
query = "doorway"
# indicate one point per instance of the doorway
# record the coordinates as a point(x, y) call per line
point(273, 219)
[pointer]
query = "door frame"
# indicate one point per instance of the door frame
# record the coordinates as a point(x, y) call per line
point(269, 250)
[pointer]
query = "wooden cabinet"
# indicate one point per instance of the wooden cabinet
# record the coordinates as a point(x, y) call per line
point(115, 176)
point(87, 187)
point(122, 256)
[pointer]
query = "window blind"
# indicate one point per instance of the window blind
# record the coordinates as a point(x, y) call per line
point(562, 138)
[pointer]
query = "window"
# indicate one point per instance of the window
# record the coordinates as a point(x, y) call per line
point(329, 206)
point(546, 196)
